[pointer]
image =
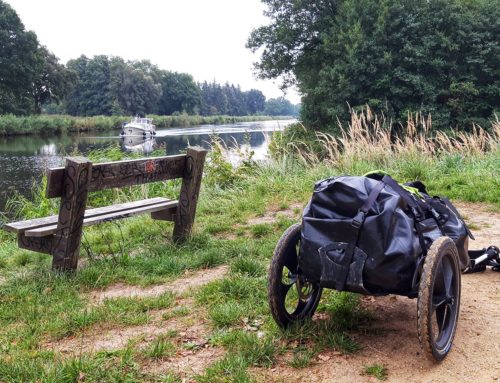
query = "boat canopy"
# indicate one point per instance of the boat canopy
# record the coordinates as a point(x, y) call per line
point(141, 120)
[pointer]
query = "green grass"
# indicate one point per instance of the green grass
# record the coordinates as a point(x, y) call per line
point(302, 356)
point(376, 370)
point(160, 348)
point(37, 305)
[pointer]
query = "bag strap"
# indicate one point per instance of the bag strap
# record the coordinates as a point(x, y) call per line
point(360, 216)
point(417, 206)
point(356, 225)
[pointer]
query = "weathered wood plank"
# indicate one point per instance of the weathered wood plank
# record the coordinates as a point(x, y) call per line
point(66, 243)
point(165, 215)
point(111, 216)
point(40, 245)
point(190, 189)
point(123, 173)
point(30, 224)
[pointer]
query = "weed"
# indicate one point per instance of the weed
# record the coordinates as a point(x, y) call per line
point(301, 357)
point(230, 369)
point(248, 266)
point(177, 312)
point(344, 309)
point(160, 348)
point(227, 314)
point(473, 226)
point(252, 349)
point(376, 370)
point(260, 230)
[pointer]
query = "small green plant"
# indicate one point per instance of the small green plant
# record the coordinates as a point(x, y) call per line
point(227, 314)
point(160, 348)
point(337, 341)
point(376, 370)
point(254, 350)
point(301, 357)
point(345, 310)
point(260, 230)
point(177, 312)
point(230, 369)
point(248, 266)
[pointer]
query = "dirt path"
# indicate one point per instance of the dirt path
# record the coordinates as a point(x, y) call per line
point(392, 338)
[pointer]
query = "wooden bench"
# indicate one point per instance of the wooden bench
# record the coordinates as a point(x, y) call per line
point(60, 235)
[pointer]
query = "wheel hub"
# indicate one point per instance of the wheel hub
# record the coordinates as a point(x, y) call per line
point(304, 289)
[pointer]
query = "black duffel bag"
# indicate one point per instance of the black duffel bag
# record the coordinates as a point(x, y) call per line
point(370, 235)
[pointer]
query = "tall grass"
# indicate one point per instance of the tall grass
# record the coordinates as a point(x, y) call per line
point(372, 138)
point(461, 165)
point(57, 124)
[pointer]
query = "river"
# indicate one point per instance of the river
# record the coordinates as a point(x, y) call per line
point(24, 159)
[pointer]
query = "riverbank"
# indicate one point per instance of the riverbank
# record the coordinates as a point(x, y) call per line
point(46, 125)
point(142, 308)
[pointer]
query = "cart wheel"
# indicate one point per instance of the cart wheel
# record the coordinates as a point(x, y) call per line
point(291, 297)
point(439, 299)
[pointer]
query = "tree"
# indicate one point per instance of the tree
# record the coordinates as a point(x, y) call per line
point(107, 86)
point(135, 87)
point(254, 101)
point(214, 100)
point(439, 57)
point(53, 81)
point(92, 93)
point(179, 94)
point(279, 107)
point(19, 62)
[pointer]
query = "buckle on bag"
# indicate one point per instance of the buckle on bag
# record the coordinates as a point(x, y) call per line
point(359, 219)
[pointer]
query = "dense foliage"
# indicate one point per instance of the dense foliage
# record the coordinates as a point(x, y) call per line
point(110, 86)
point(29, 74)
point(280, 107)
point(439, 56)
point(32, 80)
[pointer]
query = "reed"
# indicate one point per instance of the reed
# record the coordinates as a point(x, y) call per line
point(11, 125)
point(372, 138)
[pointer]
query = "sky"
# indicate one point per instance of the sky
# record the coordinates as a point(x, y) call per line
point(205, 38)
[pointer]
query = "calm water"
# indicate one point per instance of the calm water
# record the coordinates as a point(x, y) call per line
point(23, 160)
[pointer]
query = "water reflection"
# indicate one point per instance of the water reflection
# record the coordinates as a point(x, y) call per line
point(138, 144)
point(24, 159)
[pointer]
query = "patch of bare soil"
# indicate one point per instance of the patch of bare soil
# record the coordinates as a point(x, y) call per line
point(391, 339)
point(192, 329)
point(272, 214)
point(186, 362)
point(179, 286)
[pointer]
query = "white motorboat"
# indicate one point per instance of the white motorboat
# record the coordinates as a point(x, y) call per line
point(139, 126)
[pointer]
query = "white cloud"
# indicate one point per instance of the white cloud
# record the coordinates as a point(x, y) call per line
point(204, 38)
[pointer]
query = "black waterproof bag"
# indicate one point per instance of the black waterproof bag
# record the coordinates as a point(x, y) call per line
point(370, 234)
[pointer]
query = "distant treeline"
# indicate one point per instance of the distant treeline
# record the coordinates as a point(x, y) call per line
point(11, 125)
point(32, 81)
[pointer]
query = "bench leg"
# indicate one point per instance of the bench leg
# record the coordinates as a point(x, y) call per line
point(190, 189)
point(66, 242)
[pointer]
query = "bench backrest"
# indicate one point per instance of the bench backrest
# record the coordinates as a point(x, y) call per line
point(80, 176)
point(122, 173)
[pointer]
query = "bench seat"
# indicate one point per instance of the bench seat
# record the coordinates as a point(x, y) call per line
point(42, 227)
